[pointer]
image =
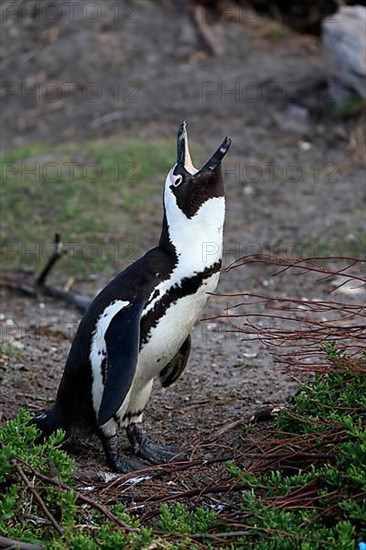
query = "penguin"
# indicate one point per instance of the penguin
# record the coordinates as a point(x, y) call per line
point(138, 327)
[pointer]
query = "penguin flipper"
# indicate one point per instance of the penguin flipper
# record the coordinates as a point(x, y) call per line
point(174, 369)
point(122, 342)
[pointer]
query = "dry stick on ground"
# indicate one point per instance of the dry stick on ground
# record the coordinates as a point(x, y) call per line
point(38, 498)
point(80, 302)
point(107, 513)
point(206, 32)
point(159, 470)
point(39, 287)
point(217, 489)
point(56, 255)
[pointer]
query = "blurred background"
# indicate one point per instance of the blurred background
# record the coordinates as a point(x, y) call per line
point(92, 95)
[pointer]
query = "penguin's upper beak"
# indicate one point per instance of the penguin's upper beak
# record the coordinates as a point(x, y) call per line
point(183, 154)
point(184, 157)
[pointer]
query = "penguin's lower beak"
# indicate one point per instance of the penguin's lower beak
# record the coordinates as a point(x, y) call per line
point(217, 157)
point(183, 154)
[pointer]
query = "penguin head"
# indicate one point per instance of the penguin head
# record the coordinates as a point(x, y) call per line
point(194, 199)
point(188, 189)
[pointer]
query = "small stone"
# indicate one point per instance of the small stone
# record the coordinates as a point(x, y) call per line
point(108, 476)
point(17, 345)
point(294, 119)
point(305, 145)
point(250, 355)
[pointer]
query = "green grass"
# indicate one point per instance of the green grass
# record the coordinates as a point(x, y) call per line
point(10, 350)
point(349, 105)
point(343, 240)
point(92, 193)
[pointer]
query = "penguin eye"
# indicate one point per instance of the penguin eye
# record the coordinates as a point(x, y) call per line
point(177, 181)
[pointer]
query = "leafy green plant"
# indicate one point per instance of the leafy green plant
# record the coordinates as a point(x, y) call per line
point(319, 503)
point(11, 350)
point(181, 520)
point(38, 502)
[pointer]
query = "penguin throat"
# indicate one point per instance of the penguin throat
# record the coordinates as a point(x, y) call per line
point(164, 242)
point(195, 242)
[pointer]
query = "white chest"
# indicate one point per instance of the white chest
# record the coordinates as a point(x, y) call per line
point(171, 331)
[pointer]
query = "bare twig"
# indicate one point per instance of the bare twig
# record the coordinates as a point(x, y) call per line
point(39, 286)
point(55, 256)
point(38, 498)
point(216, 489)
point(107, 513)
point(159, 470)
point(206, 32)
point(80, 302)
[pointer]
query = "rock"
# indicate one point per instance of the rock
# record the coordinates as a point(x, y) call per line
point(344, 41)
point(294, 119)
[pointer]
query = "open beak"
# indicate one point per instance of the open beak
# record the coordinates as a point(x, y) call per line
point(184, 157)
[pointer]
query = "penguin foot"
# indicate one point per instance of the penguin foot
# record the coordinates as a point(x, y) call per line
point(152, 452)
point(124, 466)
point(118, 464)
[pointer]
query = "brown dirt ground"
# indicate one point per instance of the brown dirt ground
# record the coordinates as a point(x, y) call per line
point(228, 377)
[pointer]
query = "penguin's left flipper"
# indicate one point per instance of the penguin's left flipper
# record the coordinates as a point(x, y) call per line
point(174, 369)
point(122, 342)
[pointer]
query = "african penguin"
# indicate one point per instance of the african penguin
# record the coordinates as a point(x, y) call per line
point(138, 327)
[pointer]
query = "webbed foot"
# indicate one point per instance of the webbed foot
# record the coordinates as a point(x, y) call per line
point(152, 452)
point(118, 464)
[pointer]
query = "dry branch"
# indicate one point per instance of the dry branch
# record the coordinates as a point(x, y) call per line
point(38, 498)
point(55, 256)
point(298, 329)
point(39, 286)
point(178, 495)
point(90, 502)
point(206, 32)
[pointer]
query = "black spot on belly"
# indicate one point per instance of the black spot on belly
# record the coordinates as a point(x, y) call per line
point(154, 295)
point(104, 368)
point(186, 287)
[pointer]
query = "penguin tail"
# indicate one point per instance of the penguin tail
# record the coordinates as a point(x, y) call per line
point(47, 423)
